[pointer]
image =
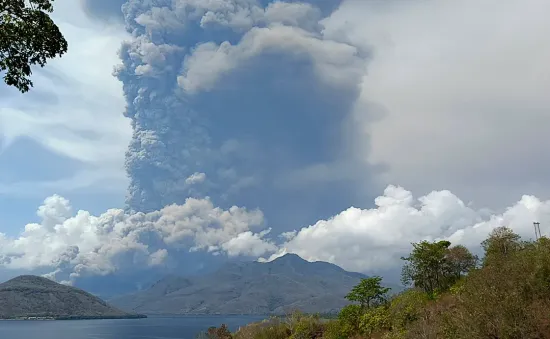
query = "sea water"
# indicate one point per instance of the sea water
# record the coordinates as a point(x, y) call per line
point(180, 327)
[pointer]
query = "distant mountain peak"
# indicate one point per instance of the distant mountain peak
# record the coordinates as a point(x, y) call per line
point(283, 284)
point(290, 257)
point(29, 279)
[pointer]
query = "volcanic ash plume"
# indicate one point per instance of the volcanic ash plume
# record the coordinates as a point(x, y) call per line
point(245, 101)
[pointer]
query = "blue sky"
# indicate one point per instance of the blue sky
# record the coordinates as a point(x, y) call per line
point(338, 130)
point(67, 136)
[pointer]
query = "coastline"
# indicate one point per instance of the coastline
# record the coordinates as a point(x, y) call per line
point(75, 317)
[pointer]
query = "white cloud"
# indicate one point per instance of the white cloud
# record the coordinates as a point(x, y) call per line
point(372, 240)
point(83, 244)
point(195, 178)
point(75, 108)
point(364, 240)
point(249, 244)
point(464, 85)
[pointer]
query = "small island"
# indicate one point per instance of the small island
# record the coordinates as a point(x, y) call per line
point(30, 297)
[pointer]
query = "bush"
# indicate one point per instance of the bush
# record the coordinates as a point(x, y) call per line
point(333, 330)
point(507, 298)
point(216, 333)
point(407, 307)
point(307, 327)
point(294, 326)
point(375, 320)
point(350, 320)
point(272, 328)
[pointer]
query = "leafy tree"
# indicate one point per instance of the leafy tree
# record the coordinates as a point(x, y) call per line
point(368, 292)
point(28, 36)
point(216, 333)
point(502, 242)
point(460, 260)
point(427, 266)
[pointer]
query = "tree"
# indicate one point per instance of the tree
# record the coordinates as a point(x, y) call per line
point(216, 333)
point(460, 260)
point(502, 242)
point(368, 292)
point(427, 266)
point(28, 36)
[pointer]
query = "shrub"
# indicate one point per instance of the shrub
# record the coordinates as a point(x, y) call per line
point(333, 330)
point(407, 307)
point(375, 320)
point(307, 327)
point(508, 298)
point(216, 333)
point(272, 328)
point(350, 320)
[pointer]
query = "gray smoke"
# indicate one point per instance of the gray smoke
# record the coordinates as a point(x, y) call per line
point(244, 101)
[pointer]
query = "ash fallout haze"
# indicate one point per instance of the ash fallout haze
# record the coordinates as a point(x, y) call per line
point(247, 129)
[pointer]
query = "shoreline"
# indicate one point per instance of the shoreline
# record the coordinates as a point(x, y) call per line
point(74, 317)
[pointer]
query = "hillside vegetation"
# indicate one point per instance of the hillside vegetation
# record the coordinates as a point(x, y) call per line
point(29, 296)
point(452, 294)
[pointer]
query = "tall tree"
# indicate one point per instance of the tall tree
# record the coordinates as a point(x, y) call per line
point(427, 266)
point(368, 292)
point(28, 36)
point(460, 261)
point(502, 242)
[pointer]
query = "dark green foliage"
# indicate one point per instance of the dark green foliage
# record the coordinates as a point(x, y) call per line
point(435, 266)
point(369, 292)
point(426, 266)
point(28, 36)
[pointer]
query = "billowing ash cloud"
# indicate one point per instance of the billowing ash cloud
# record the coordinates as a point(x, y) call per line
point(247, 103)
point(244, 101)
point(69, 246)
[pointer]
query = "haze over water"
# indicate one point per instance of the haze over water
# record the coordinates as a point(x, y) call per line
point(186, 327)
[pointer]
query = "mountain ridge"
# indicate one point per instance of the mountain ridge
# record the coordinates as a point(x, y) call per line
point(31, 296)
point(276, 287)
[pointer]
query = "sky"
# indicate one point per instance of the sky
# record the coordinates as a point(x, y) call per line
point(176, 134)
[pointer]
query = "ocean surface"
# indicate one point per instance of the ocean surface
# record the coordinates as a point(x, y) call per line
point(180, 327)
